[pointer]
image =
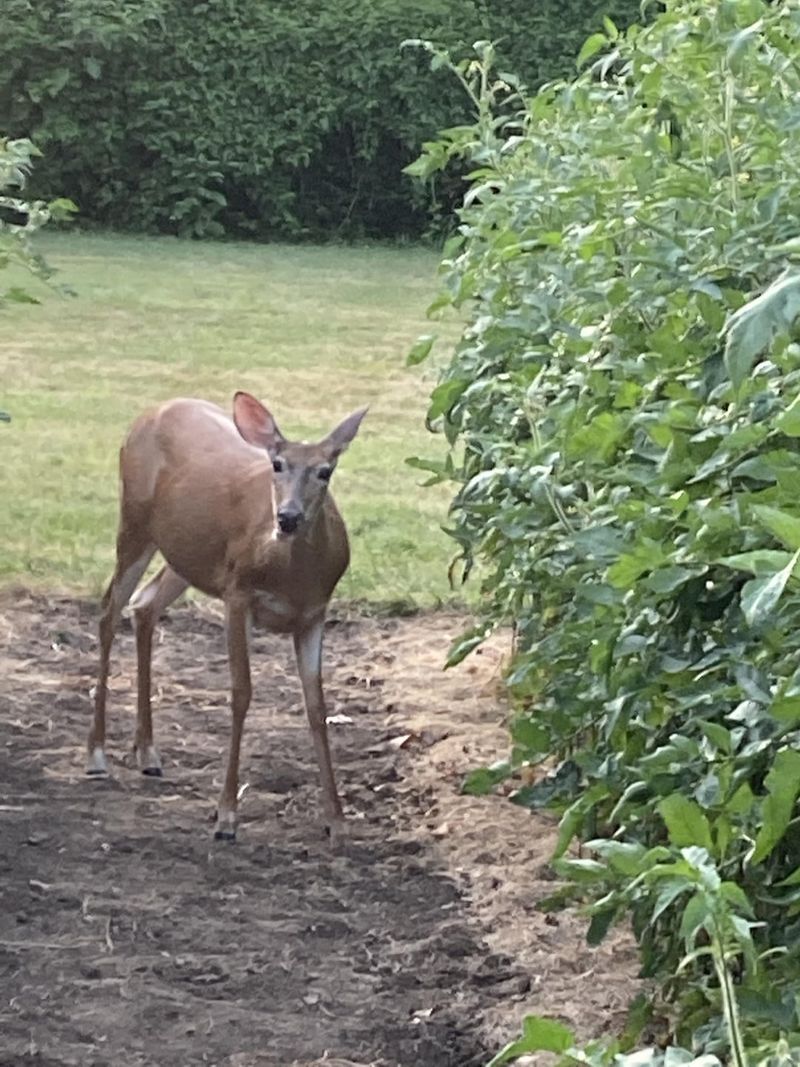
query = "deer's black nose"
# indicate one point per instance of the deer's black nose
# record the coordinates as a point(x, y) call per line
point(289, 520)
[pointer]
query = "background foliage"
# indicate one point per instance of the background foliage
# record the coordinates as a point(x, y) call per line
point(20, 218)
point(253, 117)
point(624, 410)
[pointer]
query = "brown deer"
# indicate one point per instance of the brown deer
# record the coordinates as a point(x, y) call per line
point(243, 514)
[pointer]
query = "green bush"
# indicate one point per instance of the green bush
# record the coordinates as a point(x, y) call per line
point(624, 407)
point(20, 218)
point(253, 117)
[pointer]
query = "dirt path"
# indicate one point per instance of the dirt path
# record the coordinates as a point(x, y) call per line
point(128, 936)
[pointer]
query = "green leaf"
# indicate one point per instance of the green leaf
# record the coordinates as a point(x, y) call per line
point(622, 856)
point(736, 896)
point(465, 644)
point(762, 562)
point(686, 824)
point(640, 1013)
point(445, 395)
point(421, 349)
point(669, 890)
point(443, 300)
point(793, 879)
point(538, 1035)
point(532, 735)
point(783, 785)
point(600, 924)
point(708, 791)
point(591, 46)
point(646, 556)
point(483, 780)
point(422, 167)
point(668, 579)
point(93, 67)
point(599, 438)
point(782, 1015)
point(718, 735)
point(786, 709)
point(546, 1035)
point(742, 801)
point(782, 524)
point(61, 209)
point(740, 42)
point(420, 464)
point(760, 595)
point(573, 818)
point(695, 915)
point(581, 870)
point(551, 791)
point(754, 326)
point(789, 421)
point(440, 471)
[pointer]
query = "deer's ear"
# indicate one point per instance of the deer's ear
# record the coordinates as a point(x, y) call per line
point(255, 423)
point(338, 439)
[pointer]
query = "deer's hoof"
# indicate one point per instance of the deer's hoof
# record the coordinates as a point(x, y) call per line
point(97, 767)
point(226, 825)
point(149, 761)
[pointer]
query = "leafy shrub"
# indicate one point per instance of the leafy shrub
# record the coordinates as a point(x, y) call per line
point(624, 409)
point(19, 219)
point(250, 117)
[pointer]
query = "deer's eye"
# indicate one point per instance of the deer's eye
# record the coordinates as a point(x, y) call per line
point(324, 474)
point(277, 465)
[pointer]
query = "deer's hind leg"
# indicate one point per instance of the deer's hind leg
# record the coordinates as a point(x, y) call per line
point(133, 555)
point(148, 604)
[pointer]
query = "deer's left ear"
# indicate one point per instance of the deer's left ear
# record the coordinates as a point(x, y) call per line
point(255, 423)
point(338, 439)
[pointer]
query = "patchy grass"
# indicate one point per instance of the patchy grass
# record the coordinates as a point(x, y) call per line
point(313, 331)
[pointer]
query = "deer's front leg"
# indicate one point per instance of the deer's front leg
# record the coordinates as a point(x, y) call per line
point(236, 615)
point(308, 649)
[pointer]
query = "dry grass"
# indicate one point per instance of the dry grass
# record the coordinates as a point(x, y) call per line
point(313, 331)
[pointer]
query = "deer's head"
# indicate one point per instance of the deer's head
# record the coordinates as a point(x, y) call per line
point(301, 471)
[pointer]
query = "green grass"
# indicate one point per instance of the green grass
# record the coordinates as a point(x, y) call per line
point(312, 331)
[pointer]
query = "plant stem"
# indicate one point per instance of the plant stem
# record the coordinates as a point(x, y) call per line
point(729, 1006)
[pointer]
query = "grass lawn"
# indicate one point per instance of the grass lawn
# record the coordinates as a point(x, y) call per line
point(312, 331)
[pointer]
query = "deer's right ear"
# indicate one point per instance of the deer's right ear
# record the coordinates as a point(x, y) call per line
point(255, 423)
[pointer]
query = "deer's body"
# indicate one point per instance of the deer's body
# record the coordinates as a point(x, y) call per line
point(241, 514)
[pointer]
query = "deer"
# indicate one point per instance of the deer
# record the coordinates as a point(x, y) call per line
point(242, 514)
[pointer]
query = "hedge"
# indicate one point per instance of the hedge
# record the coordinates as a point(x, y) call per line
point(256, 118)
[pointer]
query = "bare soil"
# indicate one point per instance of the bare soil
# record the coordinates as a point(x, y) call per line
point(128, 936)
